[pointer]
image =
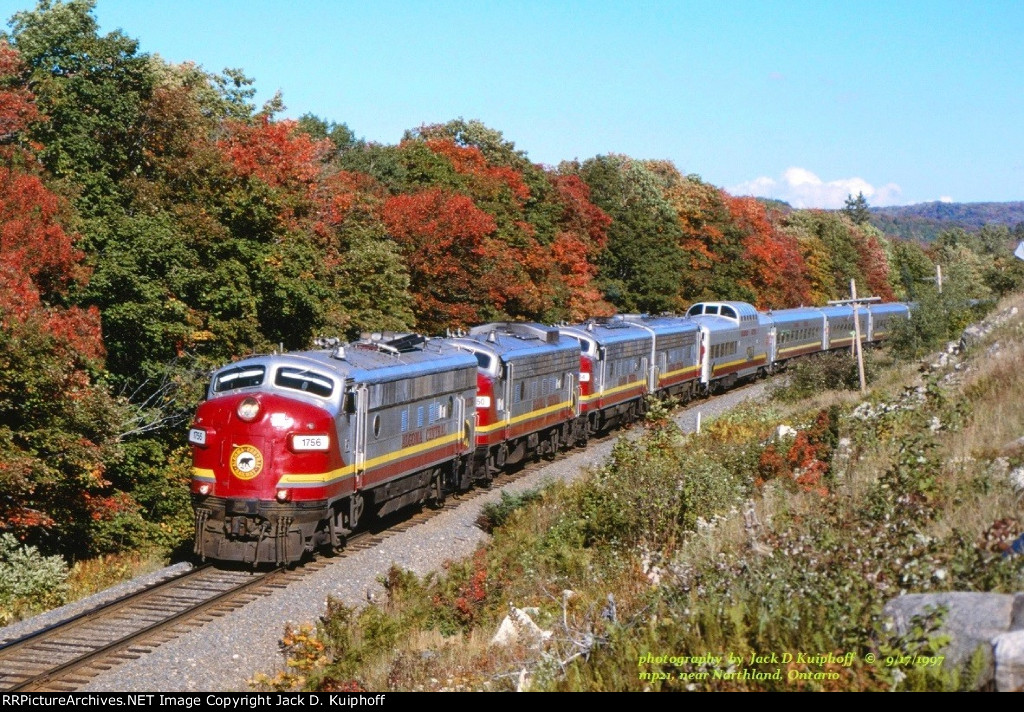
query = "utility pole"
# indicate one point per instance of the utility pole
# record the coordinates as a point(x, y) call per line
point(858, 348)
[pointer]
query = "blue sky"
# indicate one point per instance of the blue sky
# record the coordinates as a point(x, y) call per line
point(907, 101)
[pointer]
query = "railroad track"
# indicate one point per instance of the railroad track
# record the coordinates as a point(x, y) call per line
point(67, 655)
point(64, 656)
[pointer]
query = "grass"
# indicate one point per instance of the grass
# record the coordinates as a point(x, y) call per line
point(91, 576)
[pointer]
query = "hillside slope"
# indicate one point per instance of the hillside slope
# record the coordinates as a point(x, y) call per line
point(748, 557)
point(924, 221)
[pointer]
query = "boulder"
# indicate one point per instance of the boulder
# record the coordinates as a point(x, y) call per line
point(1008, 649)
point(518, 626)
point(973, 622)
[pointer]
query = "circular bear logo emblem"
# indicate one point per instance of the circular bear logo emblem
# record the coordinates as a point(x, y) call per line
point(246, 462)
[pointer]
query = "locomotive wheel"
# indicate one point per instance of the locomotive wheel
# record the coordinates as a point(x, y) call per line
point(356, 506)
point(553, 445)
point(437, 489)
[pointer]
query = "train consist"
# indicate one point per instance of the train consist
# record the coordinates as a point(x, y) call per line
point(292, 451)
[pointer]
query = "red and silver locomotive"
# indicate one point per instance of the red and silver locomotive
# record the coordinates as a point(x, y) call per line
point(291, 450)
point(527, 401)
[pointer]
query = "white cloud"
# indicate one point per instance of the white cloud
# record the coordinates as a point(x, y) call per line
point(945, 199)
point(803, 189)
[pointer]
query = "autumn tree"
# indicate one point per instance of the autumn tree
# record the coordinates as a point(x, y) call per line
point(641, 267)
point(874, 261)
point(58, 428)
point(454, 278)
point(434, 157)
point(91, 88)
point(835, 233)
point(582, 234)
point(773, 264)
point(533, 190)
point(543, 238)
point(734, 248)
point(367, 274)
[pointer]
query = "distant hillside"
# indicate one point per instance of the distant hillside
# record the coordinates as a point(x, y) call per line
point(925, 221)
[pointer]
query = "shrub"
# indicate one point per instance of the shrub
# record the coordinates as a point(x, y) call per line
point(935, 319)
point(29, 581)
point(833, 370)
point(494, 514)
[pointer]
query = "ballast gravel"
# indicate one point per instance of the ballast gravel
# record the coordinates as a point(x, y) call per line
point(224, 655)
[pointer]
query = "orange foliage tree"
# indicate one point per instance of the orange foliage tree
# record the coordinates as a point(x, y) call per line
point(775, 269)
point(532, 236)
point(452, 261)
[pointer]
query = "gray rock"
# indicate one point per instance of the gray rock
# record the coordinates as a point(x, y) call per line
point(971, 336)
point(518, 626)
point(972, 622)
point(1009, 654)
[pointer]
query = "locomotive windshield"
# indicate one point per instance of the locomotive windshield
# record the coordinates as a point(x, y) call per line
point(300, 379)
point(241, 377)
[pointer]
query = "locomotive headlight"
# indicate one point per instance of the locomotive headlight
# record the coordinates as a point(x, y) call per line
point(204, 489)
point(282, 495)
point(248, 409)
point(483, 401)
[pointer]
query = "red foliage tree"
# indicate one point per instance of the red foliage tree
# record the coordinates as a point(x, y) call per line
point(274, 151)
point(40, 261)
point(53, 421)
point(283, 158)
point(452, 263)
point(775, 267)
point(17, 106)
point(470, 161)
point(581, 236)
point(874, 265)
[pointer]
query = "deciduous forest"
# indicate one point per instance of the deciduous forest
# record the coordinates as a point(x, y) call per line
point(155, 222)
